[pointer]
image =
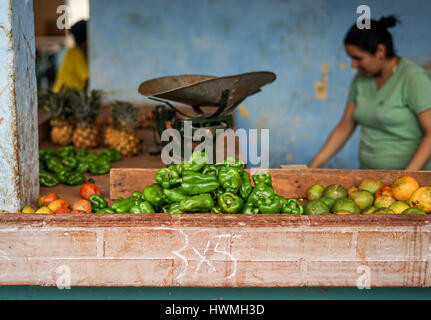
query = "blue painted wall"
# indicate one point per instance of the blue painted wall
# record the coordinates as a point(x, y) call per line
point(133, 41)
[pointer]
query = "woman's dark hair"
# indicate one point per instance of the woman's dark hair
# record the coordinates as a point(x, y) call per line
point(79, 31)
point(368, 39)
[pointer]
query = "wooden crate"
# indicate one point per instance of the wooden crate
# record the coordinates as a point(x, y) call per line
point(210, 250)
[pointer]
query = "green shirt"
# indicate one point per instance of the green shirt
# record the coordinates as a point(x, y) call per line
point(390, 131)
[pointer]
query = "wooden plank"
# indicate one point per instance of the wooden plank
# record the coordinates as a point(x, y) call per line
point(289, 183)
point(214, 250)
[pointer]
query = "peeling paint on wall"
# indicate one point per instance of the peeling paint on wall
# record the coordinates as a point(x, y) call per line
point(321, 86)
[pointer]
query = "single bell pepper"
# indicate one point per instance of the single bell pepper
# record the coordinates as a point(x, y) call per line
point(293, 206)
point(174, 208)
point(259, 191)
point(75, 178)
point(195, 182)
point(154, 195)
point(143, 207)
point(83, 167)
point(138, 195)
point(269, 205)
point(249, 208)
point(201, 203)
point(70, 162)
point(47, 179)
point(63, 175)
point(97, 202)
point(66, 151)
point(111, 154)
point(105, 210)
point(262, 176)
point(45, 154)
point(282, 200)
point(167, 177)
point(54, 164)
point(246, 187)
point(210, 170)
point(234, 163)
point(121, 205)
point(100, 166)
point(230, 203)
point(217, 193)
point(229, 178)
point(197, 161)
point(174, 195)
point(199, 157)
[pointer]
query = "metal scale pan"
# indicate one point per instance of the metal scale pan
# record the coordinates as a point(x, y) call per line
point(203, 91)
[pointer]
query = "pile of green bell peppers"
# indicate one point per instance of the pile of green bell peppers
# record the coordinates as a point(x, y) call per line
point(196, 186)
point(68, 165)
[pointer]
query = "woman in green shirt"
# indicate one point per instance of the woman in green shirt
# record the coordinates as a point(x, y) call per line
point(390, 98)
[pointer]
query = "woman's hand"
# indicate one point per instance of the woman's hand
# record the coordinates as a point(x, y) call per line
point(423, 152)
point(337, 138)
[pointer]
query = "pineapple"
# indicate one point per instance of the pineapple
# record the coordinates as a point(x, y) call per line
point(61, 115)
point(122, 135)
point(86, 108)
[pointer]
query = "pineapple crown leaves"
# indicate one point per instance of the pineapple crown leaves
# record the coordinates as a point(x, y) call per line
point(86, 106)
point(57, 103)
point(124, 115)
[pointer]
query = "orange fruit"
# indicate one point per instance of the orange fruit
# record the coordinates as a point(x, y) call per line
point(370, 185)
point(384, 191)
point(403, 187)
point(421, 198)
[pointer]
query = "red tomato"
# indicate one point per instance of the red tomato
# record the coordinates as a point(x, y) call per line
point(82, 205)
point(88, 189)
point(47, 199)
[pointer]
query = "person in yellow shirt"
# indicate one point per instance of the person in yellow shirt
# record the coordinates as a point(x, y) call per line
point(73, 72)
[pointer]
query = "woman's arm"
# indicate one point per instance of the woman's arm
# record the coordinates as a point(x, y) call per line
point(337, 138)
point(423, 152)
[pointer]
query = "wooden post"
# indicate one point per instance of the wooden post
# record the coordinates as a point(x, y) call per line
point(19, 166)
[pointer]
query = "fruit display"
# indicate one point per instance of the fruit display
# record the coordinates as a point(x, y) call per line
point(68, 165)
point(404, 195)
point(122, 134)
point(61, 115)
point(86, 107)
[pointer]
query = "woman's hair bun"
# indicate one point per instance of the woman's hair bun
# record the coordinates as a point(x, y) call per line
point(389, 21)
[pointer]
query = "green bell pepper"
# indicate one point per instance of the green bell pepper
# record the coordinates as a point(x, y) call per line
point(154, 195)
point(282, 200)
point(63, 175)
point(216, 209)
point(89, 158)
point(249, 208)
point(54, 164)
point(97, 202)
point(259, 191)
point(67, 151)
point(70, 162)
point(167, 177)
point(174, 208)
point(138, 195)
point(100, 166)
point(230, 179)
point(81, 153)
point(111, 154)
point(246, 187)
point(230, 203)
point(75, 178)
point(83, 167)
point(142, 207)
point(174, 195)
point(47, 179)
point(121, 205)
point(45, 154)
point(197, 161)
point(269, 205)
point(200, 203)
point(105, 210)
point(262, 176)
point(293, 206)
point(210, 169)
point(233, 163)
point(195, 182)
